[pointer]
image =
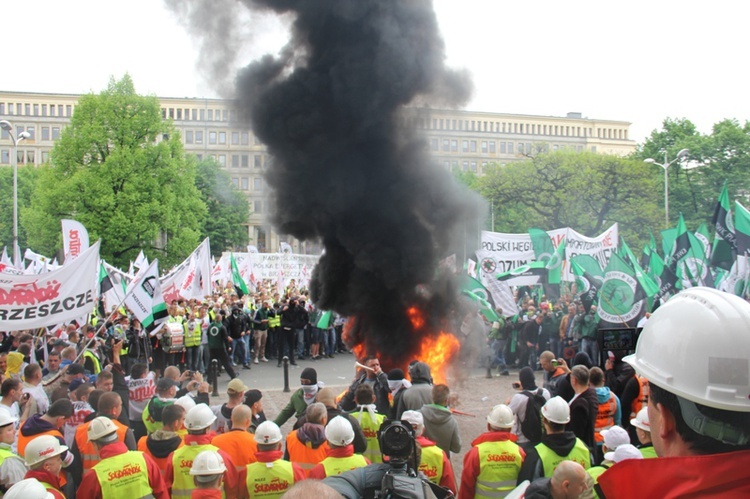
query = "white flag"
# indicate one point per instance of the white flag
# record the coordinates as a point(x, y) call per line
point(5, 260)
point(285, 247)
point(140, 261)
point(252, 249)
point(75, 238)
point(146, 301)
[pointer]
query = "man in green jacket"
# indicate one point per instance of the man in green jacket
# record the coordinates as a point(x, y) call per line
point(301, 398)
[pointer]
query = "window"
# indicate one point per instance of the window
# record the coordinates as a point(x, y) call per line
point(492, 147)
point(30, 157)
point(223, 159)
point(510, 147)
point(258, 206)
point(484, 146)
point(45, 156)
point(465, 166)
point(474, 166)
point(163, 113)
point(210, 115)
point(235, 161)
point(189, 137)
point(520, 148)
point(245, 161)
point(36, 109)
point(44, 110)
point(55, 133)
point(454, 145)
point(528, 148)
point(199, 137)
point(236, 182)
point(32, 132)
point(2, 107)
point(235, 138)
point(465, 145)
point(257, 184)
point(473, 146)
point(244, 183)
point(171, 113)
point(222, 137)
point(203, 115)
point(245, 138)
point(256, 161)
point(27, 109)
point(212, 137)
point(224, 115)
point(4, 134)
point(60, 110)
point(502, 147)
point(68, 110)
point(195, 114)
point(45, 133)
point(434, 144)
point(5, 156)
point(593, 148)
point(446, 145)
point(179, 113)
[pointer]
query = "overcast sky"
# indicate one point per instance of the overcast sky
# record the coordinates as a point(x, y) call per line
point(636, 61)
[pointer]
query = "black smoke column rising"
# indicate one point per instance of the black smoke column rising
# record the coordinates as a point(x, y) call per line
point(347, 165)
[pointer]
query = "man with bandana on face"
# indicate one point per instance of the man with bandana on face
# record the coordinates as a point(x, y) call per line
point(301, 398)
point(374, 376)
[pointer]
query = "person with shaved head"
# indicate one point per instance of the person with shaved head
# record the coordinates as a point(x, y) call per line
point(238, 442)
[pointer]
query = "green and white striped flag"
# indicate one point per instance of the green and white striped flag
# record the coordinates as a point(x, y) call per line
point(145, 299)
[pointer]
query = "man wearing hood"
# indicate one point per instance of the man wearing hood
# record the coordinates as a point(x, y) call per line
point(307, 445)
point(439, 424)
point(420, 391)
point(583, 407)
point(397, 385)
point(557, 445)
point(161, 443)
point(377, 379)
point(301, 398)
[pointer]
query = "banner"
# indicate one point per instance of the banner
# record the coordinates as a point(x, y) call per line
point(271, 265)
point(145, 300)
point(75, 238)
point(65, 294)
point(600, 248)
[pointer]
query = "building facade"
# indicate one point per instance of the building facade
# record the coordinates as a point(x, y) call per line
point(456, 139)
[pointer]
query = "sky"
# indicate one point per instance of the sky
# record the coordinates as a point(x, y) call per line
point(634, 61)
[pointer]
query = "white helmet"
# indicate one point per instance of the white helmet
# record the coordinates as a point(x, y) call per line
point(416, 419)
point(556, 410)
point(208, 462)
point(641, 420)
point(339, 431)
point(696, 346)
point(501, 416)
point(42, 448)
point(29, 488)
point(100, 427)
point(6, 419)
point(267, 432)
point(186, 401)
point(199, 417)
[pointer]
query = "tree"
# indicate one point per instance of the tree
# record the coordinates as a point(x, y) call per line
point(584, 191)
point(27, 178)
point(227, 207)
point(121, 171)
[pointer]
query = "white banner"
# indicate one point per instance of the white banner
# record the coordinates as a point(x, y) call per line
point(65, 294)
point(290, 265)
point(75, 238)
point(599, 247)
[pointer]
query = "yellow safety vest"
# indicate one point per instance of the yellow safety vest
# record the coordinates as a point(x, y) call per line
point(595, 471)
point(274, 321)
point(193, 338)
point(648, 452)
point(336, 465)
point(370, 430)
point(431, 463)
point(269, 480)
point(182, 461)
point(124, 476)
point(550, 460)
point(94, 360)
point(150, 423)
point(499, 465)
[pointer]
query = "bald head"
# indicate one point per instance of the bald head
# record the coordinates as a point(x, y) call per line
point(327, 397)
point(172, 372)
point(568, 480)
point(242, 416)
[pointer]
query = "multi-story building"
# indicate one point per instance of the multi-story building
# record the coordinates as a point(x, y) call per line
point(210, 127)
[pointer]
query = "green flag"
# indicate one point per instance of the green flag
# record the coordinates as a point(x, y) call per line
point(648, 285)
point(646, 257)
point(480, 295)
point(705, 239)
point(652, 241)
point(621, 298)
point(588, 279)
point(663, 276)
point(667, 242)
point(724, 250)
point(542, 244)
point(526, 275)
point(325, 320)
point(742, 233)
point(555, 264)
point(237, 280)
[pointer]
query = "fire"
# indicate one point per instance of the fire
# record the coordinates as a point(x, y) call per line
point(437, 352)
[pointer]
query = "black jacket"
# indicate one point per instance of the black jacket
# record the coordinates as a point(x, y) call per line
point(583, 410)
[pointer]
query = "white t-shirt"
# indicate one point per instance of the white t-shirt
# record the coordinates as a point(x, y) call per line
point(140, 392)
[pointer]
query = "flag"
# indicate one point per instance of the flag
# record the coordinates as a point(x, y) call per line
point(480, 295)
point(621, 298)
point(105, 285)
point(237, 280)
point(688, 261)
point(646, 257)
point(140, 261)
point(663, 276)
point(5, 260)
point(526, 275)
point(542, 244)
point(652, 241)
point(325, 320)
point(75, 238)
point(742, 237)
point(724, 250)
point(647, 284)
point(704, 237)
point(145, 300)
point(555, 264)
point(667, 242)
point(252, 249)
point(588, 279)
point(502, 295)
point(285, 248)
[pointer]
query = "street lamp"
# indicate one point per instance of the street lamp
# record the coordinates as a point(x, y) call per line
point(5, 125)
point(666, 166)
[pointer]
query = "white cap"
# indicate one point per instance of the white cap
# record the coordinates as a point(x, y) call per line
point(339, 431)
point(186, 401)
point(6, 418)
point(208, 463)
point(42, 448)
point(623, 452)
point(100, 427)
point(416, 419)
point(29, 488)
point(641, 420)
point(267, 432)
point(501, 416)
point(199, 417)
point(556, 410)
point(615, 437)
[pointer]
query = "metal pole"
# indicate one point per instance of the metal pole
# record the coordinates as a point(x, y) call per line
point(215, 377)
point(286, 374)
point(666, 192)
point(15, 202)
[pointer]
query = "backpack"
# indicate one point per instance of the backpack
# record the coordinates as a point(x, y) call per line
point(531, 426)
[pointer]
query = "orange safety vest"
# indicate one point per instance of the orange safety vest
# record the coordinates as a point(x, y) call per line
point(161, 462)
point(86, 449)
point(303, 454)
point(605, 417)
point(23, 441)
point(641, 400)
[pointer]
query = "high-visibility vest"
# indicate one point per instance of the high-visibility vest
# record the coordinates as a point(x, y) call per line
point(5, 454)
point(551, 460)
point(499, 465)
point(94, 360)
point(50, 488)
point(303, 454)
point(431, 463)
point(274, 321)
point(648, 452)
point(642, 399)
point(193, 338)
point(23, 440)
point(370, 430)
point(86, 449)
point(605, 417)
point(269, 480)
point(149, 422)
point(182, 461)
point(124, 476)
point(595, 471)
point(336, 465)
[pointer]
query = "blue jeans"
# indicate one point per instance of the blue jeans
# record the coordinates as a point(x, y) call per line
point(498, 349)
point(591, 347)
point(329, 338)
point(239, 353)
point(299, 334)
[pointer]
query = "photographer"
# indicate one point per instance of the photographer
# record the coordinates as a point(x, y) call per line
point(397, 443)
point(291, 329)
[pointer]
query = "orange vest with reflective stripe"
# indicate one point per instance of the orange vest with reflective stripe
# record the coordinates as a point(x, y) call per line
point(605, 417)
point(86, 449)
point(642, 400)
point(303, 454)
point(23, 441)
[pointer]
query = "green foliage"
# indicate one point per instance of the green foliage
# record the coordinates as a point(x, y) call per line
point(27, 178)
point(585, 191)
point(228, 208)
point(122, 172)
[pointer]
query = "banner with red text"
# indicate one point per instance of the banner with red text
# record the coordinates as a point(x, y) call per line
point(75, 238)
point(62, 295)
